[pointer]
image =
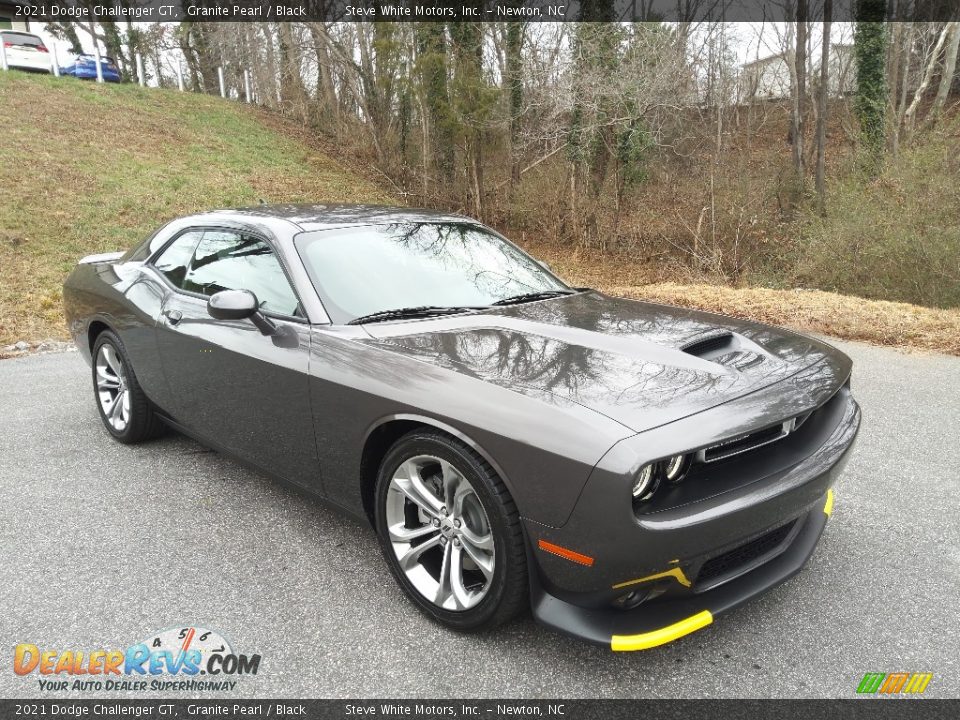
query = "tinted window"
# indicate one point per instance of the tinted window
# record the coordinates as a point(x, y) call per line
point(175, 260)
point(22, 39)
point(228, 260)
point(381, 267)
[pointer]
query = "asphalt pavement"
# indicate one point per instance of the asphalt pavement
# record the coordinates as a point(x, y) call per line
point(102, 544)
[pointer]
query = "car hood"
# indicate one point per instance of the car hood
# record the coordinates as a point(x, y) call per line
point(641, 364)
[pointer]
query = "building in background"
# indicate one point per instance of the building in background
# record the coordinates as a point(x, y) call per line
point(9, 20)
point(765, 79)
point(769, 78)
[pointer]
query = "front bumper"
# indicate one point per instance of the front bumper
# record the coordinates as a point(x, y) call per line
point(631, 582)
point(662, 622)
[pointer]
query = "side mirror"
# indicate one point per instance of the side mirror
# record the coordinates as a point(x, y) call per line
point(232, 305)
point(239, 305)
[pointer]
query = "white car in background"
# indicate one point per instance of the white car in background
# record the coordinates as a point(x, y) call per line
point(26, 51)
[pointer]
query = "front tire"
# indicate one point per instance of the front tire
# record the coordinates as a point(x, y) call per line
point(124, 409)
point(450, 532)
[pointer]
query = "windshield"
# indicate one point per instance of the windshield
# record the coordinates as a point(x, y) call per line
point(359, 271)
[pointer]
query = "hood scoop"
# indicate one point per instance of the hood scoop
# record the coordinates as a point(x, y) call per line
point(711, 346)
point(739, 359)
point(725, 348)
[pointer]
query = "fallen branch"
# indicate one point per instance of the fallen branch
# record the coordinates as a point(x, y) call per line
point(532, 165)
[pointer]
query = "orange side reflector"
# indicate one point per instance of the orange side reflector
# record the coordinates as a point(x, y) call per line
point(566, 554)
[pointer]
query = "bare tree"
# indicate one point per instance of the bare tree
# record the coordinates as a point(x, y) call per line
point(903, 36)
point(514, 82)
point(933, 61)
point(822, 98)
point(949, 70)
point(800, 89)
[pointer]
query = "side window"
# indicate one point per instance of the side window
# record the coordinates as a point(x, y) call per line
point(229, 260)
point(174, 261)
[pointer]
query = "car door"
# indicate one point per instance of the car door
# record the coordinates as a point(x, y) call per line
point(227, 382)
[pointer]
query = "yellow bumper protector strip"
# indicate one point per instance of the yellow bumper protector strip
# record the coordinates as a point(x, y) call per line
point(828, 507)
point(643, 641)
point(676, 573)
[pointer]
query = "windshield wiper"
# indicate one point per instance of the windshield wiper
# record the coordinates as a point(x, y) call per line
point(530, 297)
point(409, 312)
point(429, 310)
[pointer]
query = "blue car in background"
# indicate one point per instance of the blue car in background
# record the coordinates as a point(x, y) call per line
point(85, 66)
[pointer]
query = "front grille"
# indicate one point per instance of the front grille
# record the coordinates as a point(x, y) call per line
point(744, 554)
point(737, 445)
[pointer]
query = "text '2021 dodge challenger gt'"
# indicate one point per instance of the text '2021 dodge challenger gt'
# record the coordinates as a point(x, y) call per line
point(627, 469)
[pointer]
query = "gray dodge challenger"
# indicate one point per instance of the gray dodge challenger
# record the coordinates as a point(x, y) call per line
point(626, 469)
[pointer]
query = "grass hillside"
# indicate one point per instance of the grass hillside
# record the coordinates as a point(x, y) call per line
point(90, 168)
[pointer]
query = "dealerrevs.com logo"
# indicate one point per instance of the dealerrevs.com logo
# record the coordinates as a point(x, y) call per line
point(186, 658)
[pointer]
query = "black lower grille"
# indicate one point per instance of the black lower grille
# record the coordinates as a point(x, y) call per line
point(744, 554)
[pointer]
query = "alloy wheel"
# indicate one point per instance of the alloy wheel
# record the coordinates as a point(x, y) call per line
point(440, 532)
point(112, 391)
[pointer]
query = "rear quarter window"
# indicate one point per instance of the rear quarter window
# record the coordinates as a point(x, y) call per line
point(175, 260)
point(152, 243)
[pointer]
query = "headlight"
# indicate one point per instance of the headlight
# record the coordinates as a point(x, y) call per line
point(649, 477)
point(644, 483)
point(674, 468)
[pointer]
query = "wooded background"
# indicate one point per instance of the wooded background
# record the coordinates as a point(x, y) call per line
point(648, 141)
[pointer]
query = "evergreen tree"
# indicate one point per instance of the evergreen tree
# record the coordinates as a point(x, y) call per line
point(870, 52)
point(432, 71)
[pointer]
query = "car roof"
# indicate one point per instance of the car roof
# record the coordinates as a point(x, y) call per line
point(9, 31)
point(310, 217)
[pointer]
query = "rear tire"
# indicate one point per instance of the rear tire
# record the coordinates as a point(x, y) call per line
point(126, 412)
point(451, 533)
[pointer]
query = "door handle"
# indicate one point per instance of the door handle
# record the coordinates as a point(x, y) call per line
point(173, 316)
